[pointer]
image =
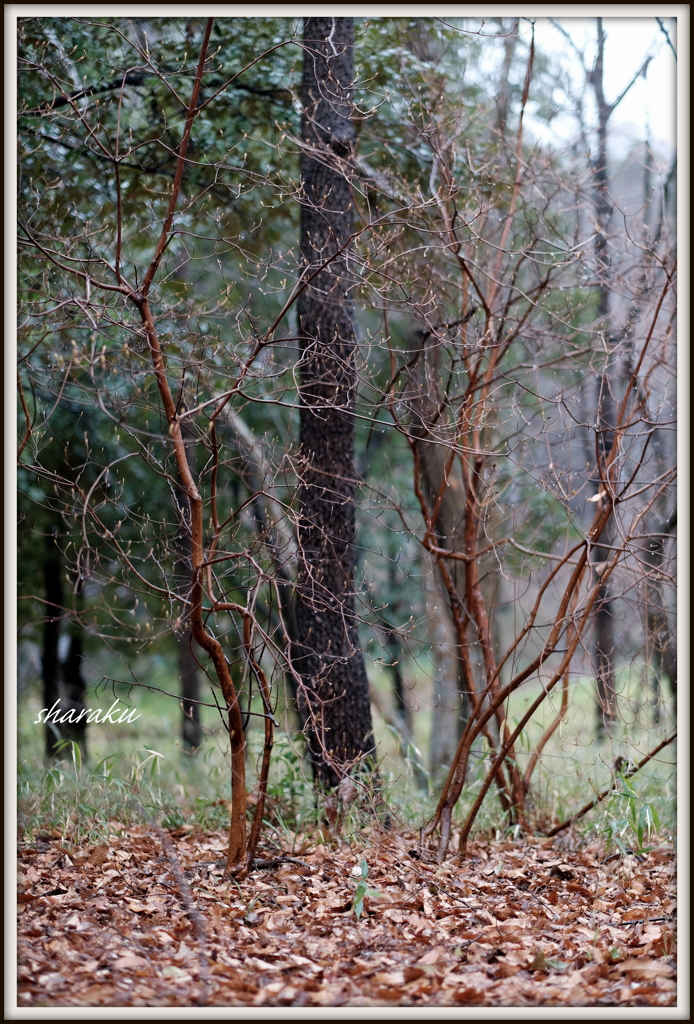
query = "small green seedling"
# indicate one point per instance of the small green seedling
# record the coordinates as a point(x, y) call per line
point(362, 890)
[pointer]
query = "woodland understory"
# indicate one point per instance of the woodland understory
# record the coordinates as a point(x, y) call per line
point(347, 463)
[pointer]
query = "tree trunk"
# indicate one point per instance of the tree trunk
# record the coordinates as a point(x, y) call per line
point(50, 666)
point(509, 32)
point(62, 680)
point(451, 701)
point(267, 517)
point(191, 729)
point(662, 660)
point(73, 691)
point(327, 654)
point(450, 706)
point(605, 640)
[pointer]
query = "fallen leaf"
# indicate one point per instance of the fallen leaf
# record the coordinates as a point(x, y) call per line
point(98, 856)
point(185, 952)
point(130, 960)
point(393, 978)
point(646, 970)
point(435, 956)
point(538, 962)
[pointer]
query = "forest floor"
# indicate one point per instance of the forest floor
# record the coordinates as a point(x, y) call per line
point(150, 920)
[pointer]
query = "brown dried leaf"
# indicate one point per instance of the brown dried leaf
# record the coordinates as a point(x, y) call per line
point(646, 970)
point(98, 856)
point(130, 960)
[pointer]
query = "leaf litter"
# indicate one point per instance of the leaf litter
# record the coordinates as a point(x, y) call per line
point(151, 920)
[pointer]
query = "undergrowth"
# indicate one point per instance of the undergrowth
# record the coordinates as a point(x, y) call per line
point(148, 776)
point(85, 804)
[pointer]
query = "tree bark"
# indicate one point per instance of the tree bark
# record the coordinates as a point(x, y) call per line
point(191, 729)
point(62, 680)
point(73, 691)
point(509, 32)
point(605, 640)
point(662, 660)
point(327, 654)
point(51, 635)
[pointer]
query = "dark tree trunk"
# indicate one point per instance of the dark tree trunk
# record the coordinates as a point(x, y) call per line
point(62, 681)
point(327, 654)
point(191, 730)
point(50, 665)
point(74, 692)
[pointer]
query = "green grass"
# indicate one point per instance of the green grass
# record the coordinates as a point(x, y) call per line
point(143, 765)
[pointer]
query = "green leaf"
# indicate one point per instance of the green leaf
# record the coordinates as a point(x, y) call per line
point(360, 892)
point(647, 818)
point(622, 847)
point(628, 791)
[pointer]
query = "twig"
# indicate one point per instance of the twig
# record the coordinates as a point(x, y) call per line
point(259, 863)
point(27, 433)
point(275, 862)
point(646, 920)
point(191, 909)
point(606, 792)
point(540, 899)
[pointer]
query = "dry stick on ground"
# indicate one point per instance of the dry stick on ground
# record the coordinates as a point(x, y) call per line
point(192, 911)
point(606, 792)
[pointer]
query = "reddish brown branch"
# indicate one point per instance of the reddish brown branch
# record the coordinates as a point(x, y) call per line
point(27, 432)
point(180, 166)
point(606, 792)
point(548, 733)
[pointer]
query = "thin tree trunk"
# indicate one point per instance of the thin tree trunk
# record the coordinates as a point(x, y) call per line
point(191, 729)
point(327, 655)
point(62, 679)
point(441, 486)
point(50, 666)
point(267, 516)
point(73, 691)
point(509, 30)
point(659, 636)
point(605, 640)
point(449, 709)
